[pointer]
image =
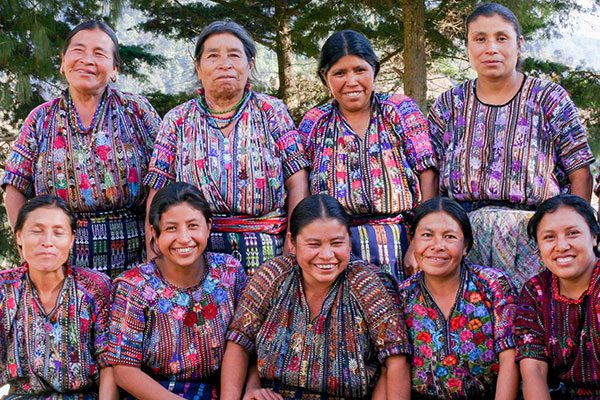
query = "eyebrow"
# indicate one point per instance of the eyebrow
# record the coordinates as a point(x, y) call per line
point(229, 49)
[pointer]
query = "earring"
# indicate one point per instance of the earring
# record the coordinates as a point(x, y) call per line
point(113, 79)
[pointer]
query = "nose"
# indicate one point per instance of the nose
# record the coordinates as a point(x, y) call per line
point(226, 63)
point(562, 243)
point(47, 239)
point(184, 235)
point(352, 79)
point(492, 46)
point(326, 252)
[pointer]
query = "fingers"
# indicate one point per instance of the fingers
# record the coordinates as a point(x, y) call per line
point(262, 394)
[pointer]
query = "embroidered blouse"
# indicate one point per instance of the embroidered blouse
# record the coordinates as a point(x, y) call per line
point(60, 352)
point(241, 174)
point(339, 351)
point(519, 152)
point(565, 333)
point(174, 333)
point(377, 174)
point(95, 169)
point(458, 357)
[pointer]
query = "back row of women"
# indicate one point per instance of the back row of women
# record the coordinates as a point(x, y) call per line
point(501, 144)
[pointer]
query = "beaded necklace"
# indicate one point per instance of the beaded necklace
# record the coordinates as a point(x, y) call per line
point(221, 123)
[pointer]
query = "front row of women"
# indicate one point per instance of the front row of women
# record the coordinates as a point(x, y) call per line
point(313, 324)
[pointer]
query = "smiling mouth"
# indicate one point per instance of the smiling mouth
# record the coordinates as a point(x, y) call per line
point(353, 94)
point(325, 267)
point(184, 250)
point(564, 260)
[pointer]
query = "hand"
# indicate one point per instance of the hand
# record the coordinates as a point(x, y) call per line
point(288, 249)
point(410, 262)
point(262, 394)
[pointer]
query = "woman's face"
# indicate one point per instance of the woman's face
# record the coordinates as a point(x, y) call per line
point(439, 245)
point(88, 63)
point(493, 47)
point(567, 245)
point(322, 249)
point(351, 81)
point(223, 67)
point(46, 239)
point(184, 233)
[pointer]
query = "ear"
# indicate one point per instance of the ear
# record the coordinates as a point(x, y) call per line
point(520, 42)
point(209, 224)
point(291, 241)
point(251, 64)
point(18, 239)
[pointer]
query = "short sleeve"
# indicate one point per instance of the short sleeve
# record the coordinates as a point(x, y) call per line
point(571, 143)
point(504, 312)
point(530, 332)
point(151, 121)
point(127, 325)
point(161, 170)
point(414, 129)
point(438, 121)
point(287, 138)
point(19, 169)
point(252, 309)
point(101, 318)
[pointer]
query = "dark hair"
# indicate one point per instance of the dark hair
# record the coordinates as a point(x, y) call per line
point(90, 26)
point(172, 195)
point(226, 26)
point(44, 201)
point(316, 207)
point(450, 207)
point(579, 205)
point(346, 43)
point(490, 10)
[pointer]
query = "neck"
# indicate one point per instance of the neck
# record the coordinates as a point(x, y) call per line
point(47, 283)
point(499, 86)
point(224, 102)
point(85, 101)
point(180, 276)
point(442, 286)
point(573, 289)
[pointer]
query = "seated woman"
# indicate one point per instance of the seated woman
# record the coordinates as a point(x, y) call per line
point(371, 151)
point(169, 316)
point(53, 317)
point(459, 316)
point(319, 324)
point(557, 322)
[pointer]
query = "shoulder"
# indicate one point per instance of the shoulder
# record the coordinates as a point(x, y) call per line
point(42, 110)
point(276, 269)
point(409, 287)
point(366, 278)
point(138, 276)
point(219, 263)
point(314, 115)
point(268, 103)
point(11, 276)
point(94, 277)
point(178, 113)
point(491, 279)
point(455, 93)
point(395, 100)
point(539, 286)
point(94, 285)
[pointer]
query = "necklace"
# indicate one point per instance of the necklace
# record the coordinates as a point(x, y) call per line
point(218, 122)
point(215, 112)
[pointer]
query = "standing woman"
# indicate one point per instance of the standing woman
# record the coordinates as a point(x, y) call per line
point(557, 323)
point(90, 147)
point(370, 151)
point(506, 142)
point(239, 147)
point(53, 316)
point(459, 315)
point(170, 316)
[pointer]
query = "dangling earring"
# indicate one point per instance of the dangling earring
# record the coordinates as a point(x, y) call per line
point(113, 79)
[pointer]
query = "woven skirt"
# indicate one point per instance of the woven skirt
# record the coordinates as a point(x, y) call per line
point(188, 390)
point(500, 241)
point(251, 248)
point(110, 242)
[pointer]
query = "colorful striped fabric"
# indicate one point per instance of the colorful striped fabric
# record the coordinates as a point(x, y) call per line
point(242, 176)
point(98, 171)
point(458, 357)
point(565, 333)
point(520, 152)
point(338, 353)
point(56, 355)
point(374, 177)
point(174, 334)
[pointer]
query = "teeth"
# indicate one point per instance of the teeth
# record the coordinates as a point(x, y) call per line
point(353, 94)
point(184, 250)
point(565, 259)
point(326, 267)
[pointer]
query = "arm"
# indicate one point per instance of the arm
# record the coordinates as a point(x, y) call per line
point(150, 254)
point(535, 375)
point(397, 371)
point(428, 182)
point(581, 183)
point(297, 189)
point(140, 385)
point(507, 385)
point(108, 387)
point(233, 371)
point(14, 201)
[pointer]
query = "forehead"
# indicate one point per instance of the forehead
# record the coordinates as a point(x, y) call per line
point(223, 41)
point(495, 23)
point(323, 228)
point(180, 213)
point(47, 216)
point(350, 61)
point(439, 220)
point(564, 217)
point(92, 38)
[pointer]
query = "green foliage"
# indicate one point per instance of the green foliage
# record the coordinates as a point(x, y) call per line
point(164, 102)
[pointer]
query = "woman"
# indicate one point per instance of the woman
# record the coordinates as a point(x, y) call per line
point(319, 324)
point(238, 146)
point(506, 142)
point(170, 316)
point(370, 151)
point(459, 315)
point(53, 317)
point(557, 322)
point(90, 147)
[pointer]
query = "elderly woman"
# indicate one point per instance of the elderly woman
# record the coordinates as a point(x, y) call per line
point(238, 146)
point(170, 316)
point(90, 147)
point(459, 315)
point(320, 324)
point(53, 317)
point(506, 142)
point(370, 151)
point(557, 322)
